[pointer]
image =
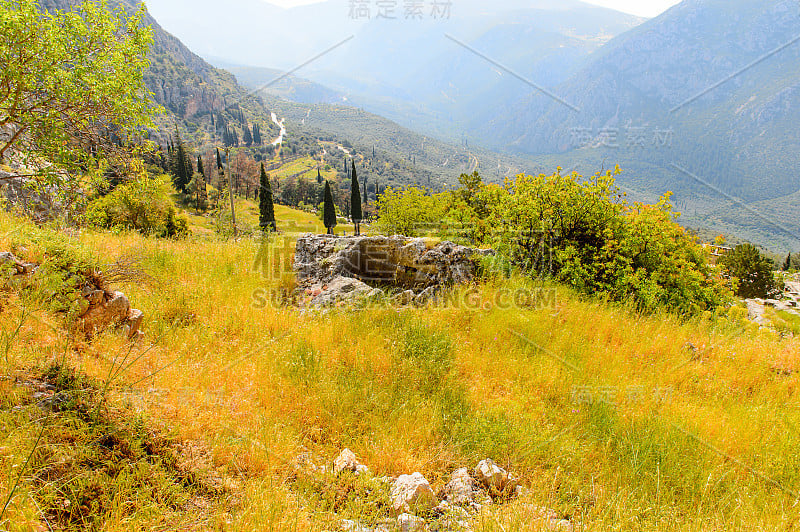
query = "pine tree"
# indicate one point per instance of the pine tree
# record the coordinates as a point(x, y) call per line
point(355, 200)
point(328, 209)
point(787, 265)
point(247, 137)
point(266, 217)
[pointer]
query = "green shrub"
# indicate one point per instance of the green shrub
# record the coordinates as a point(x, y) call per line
point(584, 234)
point(142, 205)
point(752, 270)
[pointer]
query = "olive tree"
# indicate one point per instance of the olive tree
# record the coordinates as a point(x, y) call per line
point(72, 95)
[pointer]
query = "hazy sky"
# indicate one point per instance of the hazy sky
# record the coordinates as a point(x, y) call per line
point(642, 8)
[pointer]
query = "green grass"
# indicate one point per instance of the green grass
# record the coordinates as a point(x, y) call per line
point(684, 440)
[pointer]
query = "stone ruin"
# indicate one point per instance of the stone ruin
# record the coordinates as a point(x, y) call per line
point(97, 308)
point(333, 269)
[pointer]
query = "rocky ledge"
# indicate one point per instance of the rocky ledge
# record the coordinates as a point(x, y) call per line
point(334, 269)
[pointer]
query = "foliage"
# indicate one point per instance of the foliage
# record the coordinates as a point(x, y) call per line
point(266, 207)
point(355, 196)
point(328, 209)
point(584, 234)
point(71, 89)
point(142, 205)
point(408, 211)
point(752, 270)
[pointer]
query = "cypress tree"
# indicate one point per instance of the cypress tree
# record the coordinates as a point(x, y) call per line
point(219, 160)
point(787, 265)
point(319, 177)
point(247, 137)
point(200, 169)
point(266, 208)
point(328, 209)
point(355, 200)
point(256, 135)
point(180, 166)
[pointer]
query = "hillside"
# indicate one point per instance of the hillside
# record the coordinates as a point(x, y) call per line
point(610, 419)
point(666, 96)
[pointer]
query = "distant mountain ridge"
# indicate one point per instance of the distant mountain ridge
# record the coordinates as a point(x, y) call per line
point(720, 80)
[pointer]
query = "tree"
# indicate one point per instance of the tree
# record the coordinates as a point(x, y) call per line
point(219, 161)
point(355, 201)
point(328, 209)
point(247, 137)
point(72, 90)
point(753, 271)
point(180, 165)
point(319, 177)
point(265, 206)
point(787, 264)
point(200, 169)
point(256, 134)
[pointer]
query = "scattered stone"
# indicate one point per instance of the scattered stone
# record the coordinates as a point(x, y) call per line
point(405, 297)
point(493, 477)
point(354, 526)
point(425, 296)
point(411, 493)
point(461, 488)
point(410, 523)
point(346, 461)
point(135, 317)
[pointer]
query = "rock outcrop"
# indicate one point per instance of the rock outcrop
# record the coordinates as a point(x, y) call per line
point(416, 268)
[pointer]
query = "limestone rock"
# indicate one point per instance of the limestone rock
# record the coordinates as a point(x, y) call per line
point(493, 477)
point(112, 312)
point(397, 261)
point(412, 493)
point(405, 297)
point(346, 461)
point(461, 488)
point(410, 523)
point(341, 290)
point(135, 317)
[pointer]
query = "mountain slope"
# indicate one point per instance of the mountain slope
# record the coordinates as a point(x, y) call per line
point(713, 88)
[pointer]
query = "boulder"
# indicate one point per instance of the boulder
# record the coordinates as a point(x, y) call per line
point(411, 493)
point(493, 477)
point(341, 290)
point(461, 488)
point(410, 523)
point(114, 311)
point(380, 261)
point(346, 461)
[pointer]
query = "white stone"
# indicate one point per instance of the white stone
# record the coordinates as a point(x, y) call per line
point(460, 489)
point(410, 523)
point(346, 461)
point(412, 493)
point(491, 475)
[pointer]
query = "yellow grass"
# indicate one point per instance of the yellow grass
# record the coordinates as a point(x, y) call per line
point(686, 440)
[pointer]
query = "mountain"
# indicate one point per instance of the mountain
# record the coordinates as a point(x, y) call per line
point(703, 100)
point(410, 70)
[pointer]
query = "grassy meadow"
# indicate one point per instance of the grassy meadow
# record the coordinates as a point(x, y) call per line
point(615, 420)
